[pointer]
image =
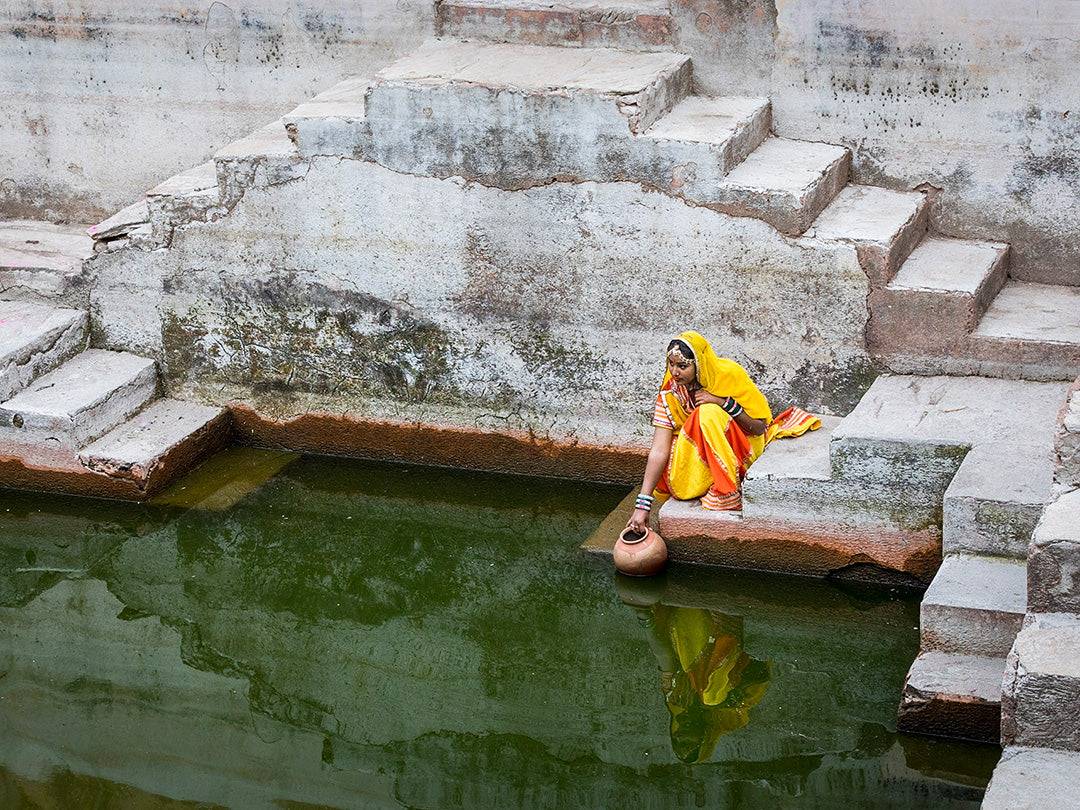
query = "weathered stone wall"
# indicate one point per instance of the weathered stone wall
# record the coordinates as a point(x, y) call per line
point(101, 100)
point(976, 98)
point(543, 312)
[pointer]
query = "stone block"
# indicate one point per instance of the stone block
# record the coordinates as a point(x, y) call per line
point(121, 224)
point(1067, 441)
point(1034, 779)
point(787, 183)
point(813, 543)
point(34, 339)
point(517, 115)
point(1054, 559)
point(159, 444)
point(190, 196)
point(266, 157)
point(87, 396)
point(974, 606)
point(1042, 686)
point(936, 297)
point(43, 262)
point(332, 123)
point(690, 150)
point(634, 25)
point(884, 225)
point(952, 695)
point(996, 499)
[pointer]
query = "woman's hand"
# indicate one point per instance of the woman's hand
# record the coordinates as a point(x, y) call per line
point(639, 521)
point(701, 396)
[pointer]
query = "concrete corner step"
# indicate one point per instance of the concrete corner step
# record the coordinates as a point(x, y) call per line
point(884, 225)
point(84, 398)
point(951, 695)
point(41, 261)
point(332, 123)
point(996, 499)
point(1033, 329)
point(787, 183)
point(186, 197)
point(625, 24)
point(916, 430)
point(1042, 686)
point(1034, 779)
point(154, 447)
point(1054, 558)
point(533, 112)
point(34, 339)
point(974, 606)
point(690, 150)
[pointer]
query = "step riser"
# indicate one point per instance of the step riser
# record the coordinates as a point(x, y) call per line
point(973, 526)
point(923, 467)
point(953, 696)
point(42, 356)
point(952, 629)
point(557, 26)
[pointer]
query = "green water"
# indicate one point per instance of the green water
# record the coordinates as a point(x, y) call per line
point(353, 635)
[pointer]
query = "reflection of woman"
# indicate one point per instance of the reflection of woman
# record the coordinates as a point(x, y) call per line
point(710, 683)
point(711, 423)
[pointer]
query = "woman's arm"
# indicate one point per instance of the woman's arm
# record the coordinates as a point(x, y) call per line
point(659, 454)
point(755, 427)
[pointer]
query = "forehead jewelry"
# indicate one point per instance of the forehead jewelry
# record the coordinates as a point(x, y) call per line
point(676, 354)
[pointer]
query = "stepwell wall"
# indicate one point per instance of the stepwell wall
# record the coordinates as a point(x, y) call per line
point(542, 313)
point(101, 100)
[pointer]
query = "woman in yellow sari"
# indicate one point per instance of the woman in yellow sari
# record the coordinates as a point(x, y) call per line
point(711, 423)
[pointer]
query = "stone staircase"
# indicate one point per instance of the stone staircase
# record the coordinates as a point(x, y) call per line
point(74, 418)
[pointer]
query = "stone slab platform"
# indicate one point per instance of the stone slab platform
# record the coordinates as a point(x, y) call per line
point(952, 695)
point(1034, 779)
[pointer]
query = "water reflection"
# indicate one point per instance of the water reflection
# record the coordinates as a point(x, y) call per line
point(350, 635)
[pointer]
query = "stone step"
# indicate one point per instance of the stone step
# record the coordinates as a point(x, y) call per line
point(996, 498)
point(164, 441)
point(1033, 329)
point(1034, 779)
point(793, 481)
point(690, 150)
point(936, 298)
point(952, 695)
point(87, 396)
point(35, 338)
point(332, 123)
point(264, 158)
point(1054, 558)
point(40, 261)
point(130, 225)
point(515, 115)
point(787, 183)
point(625, 24)
point(190, 196)
point(1042, 685)
point(884, 225)
point(916, 431)
point(974, 606)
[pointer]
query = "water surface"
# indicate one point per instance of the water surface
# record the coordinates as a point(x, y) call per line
point(353, 635)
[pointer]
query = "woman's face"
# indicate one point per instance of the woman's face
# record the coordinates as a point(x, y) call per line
point(682, 370)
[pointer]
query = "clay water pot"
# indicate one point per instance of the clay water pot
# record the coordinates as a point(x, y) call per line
point(640, 555)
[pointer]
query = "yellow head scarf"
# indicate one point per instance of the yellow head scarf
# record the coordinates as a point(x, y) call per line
point(719, 376)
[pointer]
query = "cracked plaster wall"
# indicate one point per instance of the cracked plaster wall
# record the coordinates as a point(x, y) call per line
point(359, 290)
